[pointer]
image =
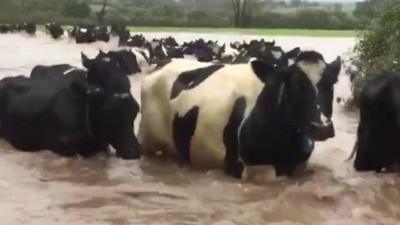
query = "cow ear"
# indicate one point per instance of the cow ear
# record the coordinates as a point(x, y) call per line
point(334, 69)
point(263, 70)
point(86, 62)
point(292, 53)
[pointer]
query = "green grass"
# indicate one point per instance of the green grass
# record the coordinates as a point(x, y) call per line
point(262, 32)
point(346, 7)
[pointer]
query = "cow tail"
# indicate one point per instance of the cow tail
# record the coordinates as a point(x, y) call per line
point(353, 153)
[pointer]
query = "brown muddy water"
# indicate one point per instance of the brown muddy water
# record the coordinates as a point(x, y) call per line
point(45, 189)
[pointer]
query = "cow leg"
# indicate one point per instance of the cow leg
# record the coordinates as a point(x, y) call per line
point(133, 151)
point(67, 151)
point(90, 148)
point(183, 131)
point(284, 169)
point(232, 165)
point(370, 145)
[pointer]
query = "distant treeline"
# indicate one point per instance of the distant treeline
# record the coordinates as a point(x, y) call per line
point(187, 13)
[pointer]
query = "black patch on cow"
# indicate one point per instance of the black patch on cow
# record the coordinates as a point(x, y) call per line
point(145, 56)
point(232, 165)
point(309, 56)
point(183, 131)
point(191, 79)
point(160, 64)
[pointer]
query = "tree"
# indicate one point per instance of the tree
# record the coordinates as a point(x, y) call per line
point(296, 3)
point(75, 8)
point(370, 8)
point(102, 13)
point(242, 12)
point(338, 7)
point(197, 15)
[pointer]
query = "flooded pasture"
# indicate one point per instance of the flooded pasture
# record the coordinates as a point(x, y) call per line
point(42, 188)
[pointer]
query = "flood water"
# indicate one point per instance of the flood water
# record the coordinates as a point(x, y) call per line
point(42, 188)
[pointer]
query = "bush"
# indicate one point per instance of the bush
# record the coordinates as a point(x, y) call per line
point(378, 48)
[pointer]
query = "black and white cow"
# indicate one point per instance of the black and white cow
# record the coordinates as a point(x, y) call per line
point(83, 34)
point(101, 33)
point(233, 116)
point(126, 58)
point(70, 111)
point(377, 146)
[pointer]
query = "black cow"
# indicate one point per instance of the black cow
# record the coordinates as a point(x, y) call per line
point(54, 29)
point(30, 28)
point(137, 40)
point(70, 111)
point(4, 28)
point(377, 146)
point(124, 36)
point(170, 41)
point(200, 49)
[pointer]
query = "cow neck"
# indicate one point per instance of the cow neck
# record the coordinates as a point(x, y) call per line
point(89, 126)
point(89, 107)
point(275, 119)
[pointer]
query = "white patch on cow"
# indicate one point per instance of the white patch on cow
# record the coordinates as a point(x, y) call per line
point(93, 91)
point(277, 54)
point(69, 71)
point(325, 121)
point(190, 57)
point(313, 71)
point(141, 60)
point(106, 59)
point(83, 30)
point(215, 98)
point(122, 95)
point(164, 50)
point(230, 52)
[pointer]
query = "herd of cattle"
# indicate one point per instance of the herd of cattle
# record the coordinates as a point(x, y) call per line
point(234, 106)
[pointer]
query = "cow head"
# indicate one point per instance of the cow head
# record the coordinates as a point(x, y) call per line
point(112, 107)
point(293, 110)
point(310, 84)
point(125, 58)
point(106, 72)
point(170, 41)
point(137, 41)
point(160, 52)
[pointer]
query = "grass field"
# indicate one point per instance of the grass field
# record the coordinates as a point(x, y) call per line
point(252, 31)
point(346, 7)
point(264, 32)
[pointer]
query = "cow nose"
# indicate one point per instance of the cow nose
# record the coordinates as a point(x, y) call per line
point(321, 131)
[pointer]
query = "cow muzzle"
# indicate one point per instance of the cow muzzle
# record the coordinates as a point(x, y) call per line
point(321, 131)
